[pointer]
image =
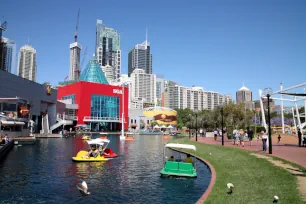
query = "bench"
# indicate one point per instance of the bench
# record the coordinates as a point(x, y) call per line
point(179, 167)
point(186, 168)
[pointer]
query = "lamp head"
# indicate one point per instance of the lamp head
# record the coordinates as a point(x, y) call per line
point(267, 92)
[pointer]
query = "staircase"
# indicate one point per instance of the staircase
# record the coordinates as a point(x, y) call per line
point(45, 124)
point(60, 122)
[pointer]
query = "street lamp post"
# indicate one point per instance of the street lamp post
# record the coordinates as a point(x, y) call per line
point(122, 117)
point(268, 92)
point(196, 113)
point(222, 125)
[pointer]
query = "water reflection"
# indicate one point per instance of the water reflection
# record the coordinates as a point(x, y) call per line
point(45, 172)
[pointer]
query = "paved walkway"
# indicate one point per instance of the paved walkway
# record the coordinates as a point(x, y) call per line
point(287, 149)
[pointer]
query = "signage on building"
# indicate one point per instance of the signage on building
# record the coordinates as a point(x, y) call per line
point(23, 110)
point(48, 90)
point(117, 91)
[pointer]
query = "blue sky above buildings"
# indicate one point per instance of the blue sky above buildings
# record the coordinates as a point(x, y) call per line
point(214, 44)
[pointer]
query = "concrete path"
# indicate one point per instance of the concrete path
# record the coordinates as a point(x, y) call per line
point(287, 149)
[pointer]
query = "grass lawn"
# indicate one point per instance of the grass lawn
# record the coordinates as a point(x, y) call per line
point(255, 180)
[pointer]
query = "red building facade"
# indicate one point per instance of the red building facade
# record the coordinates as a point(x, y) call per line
point(87, 94)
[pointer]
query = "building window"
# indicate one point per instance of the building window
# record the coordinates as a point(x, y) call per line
point(131, 121)
point(72, 97)
point(104, 106)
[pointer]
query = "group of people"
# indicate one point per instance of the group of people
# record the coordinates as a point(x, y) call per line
point(188, 159)
point(5, 139)
point(240, 135)
point(94, 152)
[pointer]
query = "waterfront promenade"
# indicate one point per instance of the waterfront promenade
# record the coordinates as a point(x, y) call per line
point(287, 149)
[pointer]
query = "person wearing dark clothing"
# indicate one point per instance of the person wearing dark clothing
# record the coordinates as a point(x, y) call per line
point(250, 135)
point(300, 136)
point(279, 138)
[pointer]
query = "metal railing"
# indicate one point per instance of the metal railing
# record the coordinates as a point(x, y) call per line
point(67, 117)
point(101, 119)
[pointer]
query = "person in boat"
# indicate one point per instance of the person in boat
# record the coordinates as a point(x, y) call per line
point(93, 152)
point(188, 159)
point(171, 158)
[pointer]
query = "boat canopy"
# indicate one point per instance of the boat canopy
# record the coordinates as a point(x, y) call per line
point(98, 141)
point(182, 146)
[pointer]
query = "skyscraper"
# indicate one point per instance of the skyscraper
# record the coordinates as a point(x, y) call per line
point(27, 63)
point(2, 54)
point(10, 58)
point(244, 95)
point(75, 52)
point(140, 57)
point(108, 50)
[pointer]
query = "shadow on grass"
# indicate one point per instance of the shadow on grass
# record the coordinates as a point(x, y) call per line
point(300, 175)
point(297, 170)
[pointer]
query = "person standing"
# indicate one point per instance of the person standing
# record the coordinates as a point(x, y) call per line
point(264, 141)
point(215, 134)
point(234, 136)
point(300, 136)
point(279, 138)
point(250, 135)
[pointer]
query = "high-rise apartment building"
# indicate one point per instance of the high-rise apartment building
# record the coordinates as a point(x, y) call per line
point(27, 63)
point(140, 57)
point(75, 57)
point(244, 95)
point(161, 85)
point(143, 85)
point(194, 98)
point(10, 58)
point(108, 50)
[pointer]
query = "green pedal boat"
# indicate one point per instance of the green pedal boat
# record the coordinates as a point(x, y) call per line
point(177, 167)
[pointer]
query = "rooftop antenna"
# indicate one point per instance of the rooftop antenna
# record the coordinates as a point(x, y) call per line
point(243, 83)
point(146, 37)
point(77, 26)
point(28, 40)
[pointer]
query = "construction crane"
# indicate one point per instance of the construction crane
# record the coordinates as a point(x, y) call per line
point(76, 29)
point(2, 27)
point(79, 71)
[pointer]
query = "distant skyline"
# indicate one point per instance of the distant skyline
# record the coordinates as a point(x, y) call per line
point(214, 44)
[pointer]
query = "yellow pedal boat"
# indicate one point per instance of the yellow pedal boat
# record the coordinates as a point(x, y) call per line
point(86, 137)
point(97, 147)
point(79, 157)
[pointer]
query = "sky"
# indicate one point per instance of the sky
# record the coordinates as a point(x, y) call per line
point(216, 44)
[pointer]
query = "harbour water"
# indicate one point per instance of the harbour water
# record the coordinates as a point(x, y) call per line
point(45, 173)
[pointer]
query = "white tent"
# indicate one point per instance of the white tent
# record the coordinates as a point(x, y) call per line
point(156, 127)
point(163, 126)
point(170, 126)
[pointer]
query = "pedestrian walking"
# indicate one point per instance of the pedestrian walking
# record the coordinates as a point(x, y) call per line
point(250, 135)
point(300, 137)
point(264, 141)
point(234, 136)
point(279, 138)
point(241, 137)
point(215, 134)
